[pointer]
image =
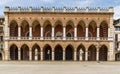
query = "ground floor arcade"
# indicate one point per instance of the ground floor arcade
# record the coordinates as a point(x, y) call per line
point(46, 52)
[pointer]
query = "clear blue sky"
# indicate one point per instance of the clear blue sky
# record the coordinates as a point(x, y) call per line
point(62, 3)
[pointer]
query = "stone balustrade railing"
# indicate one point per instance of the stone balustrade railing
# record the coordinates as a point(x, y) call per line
point(62, 10)
point(59, 38)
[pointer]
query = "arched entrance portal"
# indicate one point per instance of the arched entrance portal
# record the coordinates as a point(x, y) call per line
point(47, 52)
point(92, 53)
point(24, 52)
point(35, 52)
point(13, 52)
point(103, 53)
point(58, 53)
point(81, 53)
point(69, 53)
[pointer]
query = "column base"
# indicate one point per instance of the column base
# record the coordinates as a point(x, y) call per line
point(86, 38)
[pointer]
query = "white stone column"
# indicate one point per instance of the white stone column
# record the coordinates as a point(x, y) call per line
point(63, 55)
point(7, 54)
point(75, 33)
point(6, 29)
point(19, 54)
point(86, 55)
point(52, 55)
point(8, 32)
point(30, 54)
point(75, 55)
point(36, 54)
point(19, 32)
point(64, 33)
point(86, 34)
point(97, 56)
point(30, 32)
point(109, 34)
point(41, 33)
point(41, 54)
point(52, 33)
point(98, 33)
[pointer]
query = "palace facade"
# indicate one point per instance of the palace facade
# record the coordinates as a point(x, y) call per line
point(59, 34)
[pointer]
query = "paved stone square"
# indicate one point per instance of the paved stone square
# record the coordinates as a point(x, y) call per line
point(59, 68)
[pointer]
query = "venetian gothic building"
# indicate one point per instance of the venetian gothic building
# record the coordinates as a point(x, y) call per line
point(59, 34)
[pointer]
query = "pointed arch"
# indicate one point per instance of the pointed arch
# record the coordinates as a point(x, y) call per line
point(58, 29)
point(81, 52)
point(70, 29)
point(92, 53)
point(47, 29)
point(24, 29)
point(81, 29)
point(25, 52)
point(92, 29)
point(13, 28)
point(103, 29)
point(36, 52)
point(69, 53)
point(36, 29)
point(13, 52)
point(103, 52)
point(58, 52)
point(47, 52)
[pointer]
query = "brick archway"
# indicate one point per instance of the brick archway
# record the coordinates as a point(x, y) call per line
point(24, 28)
point(81, 53)
point(69, 53)
point(25, 52)
point(13, 52)
point(47, 52)
point(13, 28)
point(92, 29)
point(58, 53)
point(58, 31)
point(103, 52)
point(81, 29)
point(36, 52)
point(36, 29)
point(92, 53)
point(103, 29)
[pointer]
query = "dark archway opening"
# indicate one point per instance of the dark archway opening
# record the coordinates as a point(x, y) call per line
point(69, 53)
point(47, 53)
point(58, 53)
point(92, 53)
point(103, 53)
point(13, 52)
point(24, 52)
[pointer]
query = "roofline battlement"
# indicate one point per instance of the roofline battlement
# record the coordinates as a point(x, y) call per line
point(58, 9)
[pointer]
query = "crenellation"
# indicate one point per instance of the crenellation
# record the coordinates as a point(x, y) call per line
point(63, 10)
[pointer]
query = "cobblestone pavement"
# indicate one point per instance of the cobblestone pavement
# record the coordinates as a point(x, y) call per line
point(59, 67)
